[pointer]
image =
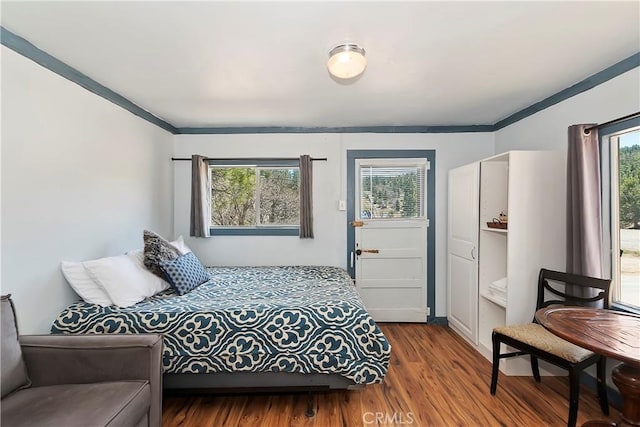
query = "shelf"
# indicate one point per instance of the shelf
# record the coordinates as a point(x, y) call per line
point(499, 284)
point(502, 302)
point(495, 230)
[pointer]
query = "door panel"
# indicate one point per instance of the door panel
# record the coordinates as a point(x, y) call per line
point(462, 274)
point(391, 298)
point(391, 268)
point(405, 236)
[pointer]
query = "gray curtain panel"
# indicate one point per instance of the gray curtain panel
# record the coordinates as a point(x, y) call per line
point(584, 211)
point(306, 197)
point(200, 197)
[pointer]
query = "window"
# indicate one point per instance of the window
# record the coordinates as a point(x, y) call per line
point(391, 191)
point(255, 199)
point(621, 213)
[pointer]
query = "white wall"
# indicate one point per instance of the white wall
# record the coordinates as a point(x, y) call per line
point(81, 178)
point(547, 129)
point(329, 245)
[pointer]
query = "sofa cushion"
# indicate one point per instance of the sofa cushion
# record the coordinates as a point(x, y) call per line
point(98, 404)
point(14, 372)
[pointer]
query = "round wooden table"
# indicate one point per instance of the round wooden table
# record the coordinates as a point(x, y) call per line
point(611, 333)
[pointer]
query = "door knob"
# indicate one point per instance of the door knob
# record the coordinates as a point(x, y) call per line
point(367, 251)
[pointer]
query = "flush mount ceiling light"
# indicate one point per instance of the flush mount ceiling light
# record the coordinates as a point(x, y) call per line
point(346, 61)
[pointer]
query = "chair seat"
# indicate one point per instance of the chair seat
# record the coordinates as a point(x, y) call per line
point(104, 404)
point(537, 336)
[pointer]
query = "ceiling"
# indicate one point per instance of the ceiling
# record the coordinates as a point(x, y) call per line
point(247, 64)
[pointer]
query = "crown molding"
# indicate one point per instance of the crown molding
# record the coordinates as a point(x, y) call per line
point(590, 82)
point(28, 50)
point(346, 129)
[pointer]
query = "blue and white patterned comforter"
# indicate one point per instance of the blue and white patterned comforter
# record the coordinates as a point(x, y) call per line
point(253, 319)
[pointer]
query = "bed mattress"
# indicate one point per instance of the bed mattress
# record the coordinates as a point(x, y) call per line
point(253, 319)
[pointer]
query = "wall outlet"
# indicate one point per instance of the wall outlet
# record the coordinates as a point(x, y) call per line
point(342, 205)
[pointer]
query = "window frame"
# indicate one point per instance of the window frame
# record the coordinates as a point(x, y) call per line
point(610, 204)
point(257, 230)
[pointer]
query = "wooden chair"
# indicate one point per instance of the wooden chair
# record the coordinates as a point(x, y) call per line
point(534, 340)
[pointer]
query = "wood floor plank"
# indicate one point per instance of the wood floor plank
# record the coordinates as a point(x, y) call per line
point(280, 411)
point(299, 410)
point(435, 379)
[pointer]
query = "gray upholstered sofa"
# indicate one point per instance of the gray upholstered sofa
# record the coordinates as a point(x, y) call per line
point(78, 380)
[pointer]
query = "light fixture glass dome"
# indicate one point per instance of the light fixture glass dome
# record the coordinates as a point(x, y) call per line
point(346, 61)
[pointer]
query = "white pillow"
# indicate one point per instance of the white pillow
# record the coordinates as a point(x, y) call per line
point(181, 246)
point(138, 256)
point(124, 278)
point(83, 284)
point(136, 252)
point(153, 283)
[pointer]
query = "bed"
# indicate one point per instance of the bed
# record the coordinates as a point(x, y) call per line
point(272, 327)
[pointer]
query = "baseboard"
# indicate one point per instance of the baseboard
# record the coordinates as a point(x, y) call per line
point(438, 321)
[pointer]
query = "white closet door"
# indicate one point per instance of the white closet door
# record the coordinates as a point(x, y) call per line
point(462, 259)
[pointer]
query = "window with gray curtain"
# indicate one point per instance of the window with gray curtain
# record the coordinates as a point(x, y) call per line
point(255, 197)
point(584, 208)
point(251, 196)
point(620, 151)
point(306, 197)
point(200, 197)
point(584, 216)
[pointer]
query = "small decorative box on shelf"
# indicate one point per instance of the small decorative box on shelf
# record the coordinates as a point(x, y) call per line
point(497, 224)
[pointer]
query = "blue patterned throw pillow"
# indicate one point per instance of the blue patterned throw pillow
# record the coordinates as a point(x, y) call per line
point(184, 273)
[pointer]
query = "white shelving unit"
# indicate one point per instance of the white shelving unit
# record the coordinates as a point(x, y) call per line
point(530, 187)
point(492, 265)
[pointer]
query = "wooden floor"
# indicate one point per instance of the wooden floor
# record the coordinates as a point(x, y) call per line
point(435, 379)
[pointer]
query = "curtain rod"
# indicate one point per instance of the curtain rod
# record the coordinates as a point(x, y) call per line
point(248, 159)
point(610, 122)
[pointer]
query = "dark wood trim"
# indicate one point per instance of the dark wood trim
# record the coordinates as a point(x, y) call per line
point(28, 50)
point(590, 82)
point(344, 129)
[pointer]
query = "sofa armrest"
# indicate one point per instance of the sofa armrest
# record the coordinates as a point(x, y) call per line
point(81, 359)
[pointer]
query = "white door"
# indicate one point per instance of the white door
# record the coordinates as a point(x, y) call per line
point(462, 262)
point(391, 238)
